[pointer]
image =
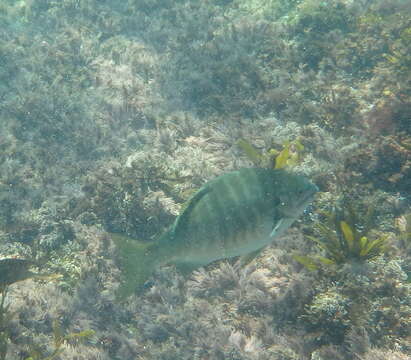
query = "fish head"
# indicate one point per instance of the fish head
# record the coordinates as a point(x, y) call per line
point(294, 193)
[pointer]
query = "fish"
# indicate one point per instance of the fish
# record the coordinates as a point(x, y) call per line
point(235, 214)
point(13, 270)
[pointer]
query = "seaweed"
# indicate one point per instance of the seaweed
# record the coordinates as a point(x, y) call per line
point(345, 237)
point(60, 339)
point(289, 156)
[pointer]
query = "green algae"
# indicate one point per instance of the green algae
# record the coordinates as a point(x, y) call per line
point(289, 156)
point(59, 338)
point(344, 237)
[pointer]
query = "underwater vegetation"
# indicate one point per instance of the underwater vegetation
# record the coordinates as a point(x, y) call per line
point(385, 163)
point(345, 236)
point(59, 339)
point(15, 270)
point(289, 156)
point(316, 24)
point(357, 271)
point(358, 296)
point(112, 114)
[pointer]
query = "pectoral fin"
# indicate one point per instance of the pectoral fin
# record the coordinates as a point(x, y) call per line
point(276, 228)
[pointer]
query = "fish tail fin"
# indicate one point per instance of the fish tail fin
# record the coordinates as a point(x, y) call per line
point(137, 261)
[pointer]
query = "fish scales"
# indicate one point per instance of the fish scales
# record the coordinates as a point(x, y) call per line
point(228, 202)
point(238, 206)
point(259, 211)
point(227, 214)
point(244, 207)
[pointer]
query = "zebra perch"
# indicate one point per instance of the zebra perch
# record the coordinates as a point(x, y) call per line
point(237, 213)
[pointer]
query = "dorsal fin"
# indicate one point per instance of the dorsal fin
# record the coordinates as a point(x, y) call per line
point(183, 217)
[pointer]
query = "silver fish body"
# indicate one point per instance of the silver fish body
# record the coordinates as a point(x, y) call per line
point(235, 214)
